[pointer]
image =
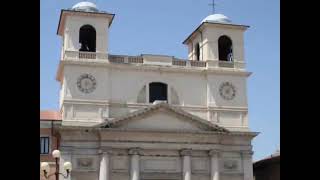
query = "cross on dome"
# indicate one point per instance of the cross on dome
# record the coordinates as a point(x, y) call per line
point(213, 6)
point(216, 18)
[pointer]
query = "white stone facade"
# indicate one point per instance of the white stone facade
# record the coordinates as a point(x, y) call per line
point(114, 133)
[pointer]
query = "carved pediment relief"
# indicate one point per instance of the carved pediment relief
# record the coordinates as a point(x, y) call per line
point(230, 165)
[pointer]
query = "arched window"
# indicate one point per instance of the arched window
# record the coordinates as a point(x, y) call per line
point(158, 91)
point(197, 51)
point(225, 49)
point(87, 38)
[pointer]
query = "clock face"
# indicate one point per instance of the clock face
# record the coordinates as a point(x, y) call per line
point(86, 83)
point(227, 91)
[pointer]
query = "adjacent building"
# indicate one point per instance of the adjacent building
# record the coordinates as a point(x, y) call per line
point(48, 140)
point(267, 168)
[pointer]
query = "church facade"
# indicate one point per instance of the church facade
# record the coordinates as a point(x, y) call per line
point(153, 117)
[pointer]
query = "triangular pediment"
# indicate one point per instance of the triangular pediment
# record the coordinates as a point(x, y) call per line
point(162, 116)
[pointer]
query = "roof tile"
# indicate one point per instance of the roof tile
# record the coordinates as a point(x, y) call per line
point(50, 115)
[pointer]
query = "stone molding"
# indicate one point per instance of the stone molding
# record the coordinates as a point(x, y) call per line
point(139, 105)
point(186, 152)
point(214, 153)
point(101, 63)
point(105, 151)
point(135, 151)
point(247, 154)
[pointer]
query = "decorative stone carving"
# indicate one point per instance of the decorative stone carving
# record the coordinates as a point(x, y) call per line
point(230, 165)
point(85, 163)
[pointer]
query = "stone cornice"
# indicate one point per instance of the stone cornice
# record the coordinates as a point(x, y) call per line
point(101, 130)
point(84, 13)
point(83, 101)
point(65, 12)
point(205, 24)
point(132, 105)
point(247, 154)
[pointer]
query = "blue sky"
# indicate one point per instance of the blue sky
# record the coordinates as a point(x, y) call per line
point(159, 27)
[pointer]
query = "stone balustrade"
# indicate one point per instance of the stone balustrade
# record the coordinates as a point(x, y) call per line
point(151, 60)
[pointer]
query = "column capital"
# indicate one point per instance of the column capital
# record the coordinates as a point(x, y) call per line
point(186, 152)
point(214, 153)
point(105, 151)
point(135, 151)
point(247, 153)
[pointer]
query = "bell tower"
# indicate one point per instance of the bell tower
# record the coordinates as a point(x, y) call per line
point(84, 28)
point(218, 41)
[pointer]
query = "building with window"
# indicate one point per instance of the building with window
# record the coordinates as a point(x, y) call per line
point(151, 116)
point(48, 139)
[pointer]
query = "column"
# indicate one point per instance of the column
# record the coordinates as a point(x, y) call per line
point(247, 165)
point(104, 171)
point(186, 153)
point(214, 154)
point(135, 167)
